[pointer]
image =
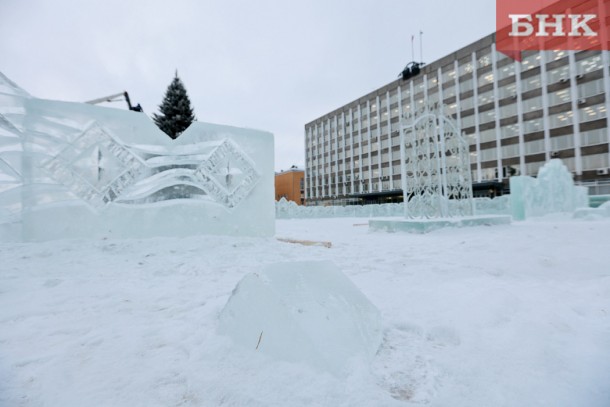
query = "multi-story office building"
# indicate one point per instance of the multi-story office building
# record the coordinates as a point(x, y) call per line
point(516, 116)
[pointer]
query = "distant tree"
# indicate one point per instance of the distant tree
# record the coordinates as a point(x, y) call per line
point(176, 111)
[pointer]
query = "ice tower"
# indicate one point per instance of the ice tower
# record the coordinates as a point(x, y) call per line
point(551, 192)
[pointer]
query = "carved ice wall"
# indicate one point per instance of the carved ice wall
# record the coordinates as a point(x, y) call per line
point(290, 210)
point(435, 165)
point(75, 170)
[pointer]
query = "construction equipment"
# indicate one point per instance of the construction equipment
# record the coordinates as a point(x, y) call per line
point(115, 98)
point(412, 69)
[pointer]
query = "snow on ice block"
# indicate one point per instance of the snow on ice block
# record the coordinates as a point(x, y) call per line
point(306, 312)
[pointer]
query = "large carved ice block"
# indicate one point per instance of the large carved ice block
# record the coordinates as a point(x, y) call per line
point(12, 111)
point(303, 312)
point(71, 170)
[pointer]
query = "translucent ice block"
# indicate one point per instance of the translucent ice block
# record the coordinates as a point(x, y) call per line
point(305, 312)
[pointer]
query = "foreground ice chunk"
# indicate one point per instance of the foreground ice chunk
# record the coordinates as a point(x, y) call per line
point(303, 312)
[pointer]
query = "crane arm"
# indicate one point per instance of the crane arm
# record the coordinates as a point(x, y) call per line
point(115, 98)
point(111, 98)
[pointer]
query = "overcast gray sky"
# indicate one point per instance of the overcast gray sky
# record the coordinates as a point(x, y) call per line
point(266, 64)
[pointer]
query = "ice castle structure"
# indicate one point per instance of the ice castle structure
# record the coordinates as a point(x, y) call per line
point(552, 191)
point(72, 170)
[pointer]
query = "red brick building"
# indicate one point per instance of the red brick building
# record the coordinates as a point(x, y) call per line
point(289, 185)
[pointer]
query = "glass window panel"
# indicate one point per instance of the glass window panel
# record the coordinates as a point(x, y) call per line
point(487, 135)
point(466, 85)
point(452, 108)
point(508, 111)
point(562, 142)
point(506, 71)
point(531, 61)
point(561, 119)
point(530, 83)
point(488, 174)
point(590, 64)
point(532, 104)
point(448, 73)
point(592, 113)
point(484, 60)
point(555, 55)
point(511, 150)
point(531, 126)
point(593, 137)
point(593, 162)
point(486, 97)
point(531, 169)
point(488, 116)
point(465, 67)
point(591, 88)
point(486, 79)
point(534, 147)
point(472, 139)
point(467, 103)
point(559, 97)
point(418, 87)
point(509, 90)
point(489, 154)
point(467, 121)
point(449, 92)
point(560, 74)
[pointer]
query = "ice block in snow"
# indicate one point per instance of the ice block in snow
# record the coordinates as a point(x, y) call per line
point(306, 312)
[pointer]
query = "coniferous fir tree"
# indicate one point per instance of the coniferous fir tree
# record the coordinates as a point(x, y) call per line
point(176, 112)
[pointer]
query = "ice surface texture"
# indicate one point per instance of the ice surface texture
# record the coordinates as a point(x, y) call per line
point(76, 170)
point(551, 192)
point(307, 312)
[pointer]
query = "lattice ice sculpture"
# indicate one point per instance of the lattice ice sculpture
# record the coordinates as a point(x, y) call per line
point(435, 165)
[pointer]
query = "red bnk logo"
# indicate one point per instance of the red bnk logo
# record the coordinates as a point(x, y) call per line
point(523, 25)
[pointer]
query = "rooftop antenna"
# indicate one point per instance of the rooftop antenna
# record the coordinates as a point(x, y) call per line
point(412, 48)
point(413, 68)
point(421, 48)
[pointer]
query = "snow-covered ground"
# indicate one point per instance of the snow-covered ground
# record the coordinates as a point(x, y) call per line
point(513, 315)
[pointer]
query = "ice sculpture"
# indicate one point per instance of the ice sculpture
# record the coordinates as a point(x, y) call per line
point(289, 210)
point(551, 192)
point(435, 165)
point(285, 209)
point(602, 211)
point(11, 152)
point(436, 177)
point(499, 205)
point(304, 312)
point(76, 170)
